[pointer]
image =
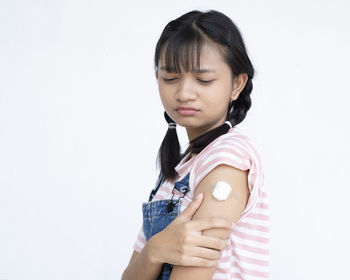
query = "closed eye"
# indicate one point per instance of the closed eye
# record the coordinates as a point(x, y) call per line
point(205, 82)
point(168, 80)
point(201, 81)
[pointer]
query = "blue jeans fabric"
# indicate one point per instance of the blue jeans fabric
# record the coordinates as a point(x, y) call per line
point(157, 217)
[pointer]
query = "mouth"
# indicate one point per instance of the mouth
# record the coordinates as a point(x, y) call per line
point(186, 108)
point(186, 111)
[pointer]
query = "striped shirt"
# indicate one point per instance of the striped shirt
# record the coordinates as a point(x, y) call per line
point(246, 255)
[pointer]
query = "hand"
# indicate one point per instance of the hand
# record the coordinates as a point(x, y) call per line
point(182, 242)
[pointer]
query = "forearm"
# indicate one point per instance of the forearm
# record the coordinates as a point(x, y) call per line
point(142, 267)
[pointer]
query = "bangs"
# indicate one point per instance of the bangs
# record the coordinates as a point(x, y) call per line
point(182, 51)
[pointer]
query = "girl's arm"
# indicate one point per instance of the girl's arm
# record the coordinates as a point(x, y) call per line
point(231, 209)
point(141, 266)
point(179, 244)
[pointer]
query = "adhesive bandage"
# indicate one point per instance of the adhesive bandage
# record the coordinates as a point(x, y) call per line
point(221, 190)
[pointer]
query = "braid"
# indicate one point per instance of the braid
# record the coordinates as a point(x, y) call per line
point(242, 104)
point(169, 151)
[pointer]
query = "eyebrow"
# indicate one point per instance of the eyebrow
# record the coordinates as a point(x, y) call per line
point(172, 70)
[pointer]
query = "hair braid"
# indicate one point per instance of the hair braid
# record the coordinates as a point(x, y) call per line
point(242, 104)
point(169, 151)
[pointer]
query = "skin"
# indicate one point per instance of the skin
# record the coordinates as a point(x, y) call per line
point(211, 99)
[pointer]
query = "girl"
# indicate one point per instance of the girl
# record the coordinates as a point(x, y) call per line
point(205, 79)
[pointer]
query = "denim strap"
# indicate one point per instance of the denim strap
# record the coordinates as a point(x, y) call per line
point(154, 191)
point(180, 188)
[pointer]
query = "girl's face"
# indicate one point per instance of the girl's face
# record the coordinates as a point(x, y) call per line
point(207, 92)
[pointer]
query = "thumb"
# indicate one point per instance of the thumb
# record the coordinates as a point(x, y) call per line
point(192, 207)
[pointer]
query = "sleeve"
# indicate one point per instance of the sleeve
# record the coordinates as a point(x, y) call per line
point(237, 151)
point(140, 241)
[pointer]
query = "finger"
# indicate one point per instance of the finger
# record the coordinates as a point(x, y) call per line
point(210, 242)
point(205, 253)
point(200, 262)
point(192, 207)
point(211, 222)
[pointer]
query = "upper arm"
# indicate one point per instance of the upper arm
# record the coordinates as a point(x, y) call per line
point(230, 209)
point(134, 255)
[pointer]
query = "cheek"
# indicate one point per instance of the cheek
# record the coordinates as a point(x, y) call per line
point(216, 96)
point(219, 94)
point(163, 90)
point(165, 98)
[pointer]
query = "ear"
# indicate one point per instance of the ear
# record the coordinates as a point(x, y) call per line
point(156, 73)
point(238, 85)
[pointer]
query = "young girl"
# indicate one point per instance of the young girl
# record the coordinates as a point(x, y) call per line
point(195, 227)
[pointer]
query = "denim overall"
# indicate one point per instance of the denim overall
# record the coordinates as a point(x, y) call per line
point(157, 215)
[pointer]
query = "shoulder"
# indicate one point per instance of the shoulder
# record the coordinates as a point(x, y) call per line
point(234, 149)
point(236, 140)
point(235, 143)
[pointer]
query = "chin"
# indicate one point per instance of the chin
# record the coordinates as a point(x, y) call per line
point(189, 124)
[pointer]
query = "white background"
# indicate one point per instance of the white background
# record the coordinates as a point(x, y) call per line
point(81, 122)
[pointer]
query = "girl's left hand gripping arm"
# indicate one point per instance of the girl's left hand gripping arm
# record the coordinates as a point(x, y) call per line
point(231, 209)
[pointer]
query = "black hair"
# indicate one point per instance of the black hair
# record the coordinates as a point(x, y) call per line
point(179, 39)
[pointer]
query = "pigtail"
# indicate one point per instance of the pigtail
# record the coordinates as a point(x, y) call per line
point(169, 151)
point(242, 104)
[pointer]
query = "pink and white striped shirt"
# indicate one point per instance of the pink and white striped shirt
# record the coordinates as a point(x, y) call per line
point(246, 255)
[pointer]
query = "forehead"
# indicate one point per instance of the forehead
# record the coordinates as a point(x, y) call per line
point(186, 59)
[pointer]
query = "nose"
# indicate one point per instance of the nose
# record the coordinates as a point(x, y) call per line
point(186, 91)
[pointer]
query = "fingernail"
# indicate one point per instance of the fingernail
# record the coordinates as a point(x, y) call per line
point(199, 196)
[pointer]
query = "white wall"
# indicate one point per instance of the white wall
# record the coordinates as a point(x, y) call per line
point(81, 123)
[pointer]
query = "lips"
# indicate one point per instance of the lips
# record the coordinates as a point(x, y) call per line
point(186, 108)
point(186, 111)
